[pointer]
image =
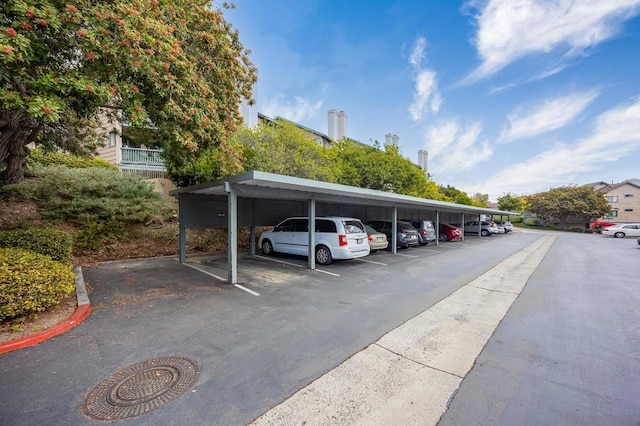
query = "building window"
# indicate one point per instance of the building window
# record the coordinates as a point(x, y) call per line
point(111, 142)
point(614, 213)
point(628, 210)
point(628, 195)
point(612, 198)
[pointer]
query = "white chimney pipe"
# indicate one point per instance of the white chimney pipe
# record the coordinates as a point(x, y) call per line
point(342, 125)
point(332, 124)
point(387, 139)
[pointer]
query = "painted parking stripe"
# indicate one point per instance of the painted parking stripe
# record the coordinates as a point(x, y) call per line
point(326, 272)
point(246, 289)
point(371, 261)
point(408, 255)
point(278, 261)
point(205, 272)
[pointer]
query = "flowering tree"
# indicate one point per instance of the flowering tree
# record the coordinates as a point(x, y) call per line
point(174, 65)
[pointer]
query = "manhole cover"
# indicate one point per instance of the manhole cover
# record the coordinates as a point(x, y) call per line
point(141, 388)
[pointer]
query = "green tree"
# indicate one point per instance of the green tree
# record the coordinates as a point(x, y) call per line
point(174, 65)
point(282, 147)
point(370, 167)
point(512, 203)
point(568, 204)
point(479, 200)
point(455, 195)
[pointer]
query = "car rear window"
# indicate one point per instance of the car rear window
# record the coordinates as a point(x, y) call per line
point(353, 226)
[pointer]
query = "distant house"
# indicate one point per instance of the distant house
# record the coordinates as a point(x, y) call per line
point(624, 199)
point(132, 149)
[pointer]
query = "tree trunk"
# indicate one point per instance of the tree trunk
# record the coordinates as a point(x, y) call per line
point(17, 130)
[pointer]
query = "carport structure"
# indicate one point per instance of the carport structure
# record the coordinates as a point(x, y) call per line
point(254, 199)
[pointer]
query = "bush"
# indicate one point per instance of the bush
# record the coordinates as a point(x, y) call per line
point(92, 193)
point(532, 221)
point(92, 234)
point(49, 242)
point(37, 157)
point(578, 229)
point(515, 219)
point(31, 282)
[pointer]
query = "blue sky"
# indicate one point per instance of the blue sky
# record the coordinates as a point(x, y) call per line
point(513, 96)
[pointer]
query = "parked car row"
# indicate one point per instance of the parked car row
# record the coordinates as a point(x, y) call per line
point(487, 227)
point(349, 238)
point(622, 230)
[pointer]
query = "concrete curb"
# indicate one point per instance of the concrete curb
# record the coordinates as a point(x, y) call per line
point(81, 313)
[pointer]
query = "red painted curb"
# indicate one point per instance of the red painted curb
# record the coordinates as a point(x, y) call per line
point(76, 318)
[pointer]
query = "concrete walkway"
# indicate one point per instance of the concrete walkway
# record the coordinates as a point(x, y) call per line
point(412, 373)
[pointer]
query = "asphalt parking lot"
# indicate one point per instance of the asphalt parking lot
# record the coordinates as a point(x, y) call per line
point(255, 346)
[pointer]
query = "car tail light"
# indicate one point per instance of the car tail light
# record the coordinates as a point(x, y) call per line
point(342, 239)
point(370, 238)
point(424, 232)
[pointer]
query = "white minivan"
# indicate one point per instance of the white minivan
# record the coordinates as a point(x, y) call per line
point(336, 238)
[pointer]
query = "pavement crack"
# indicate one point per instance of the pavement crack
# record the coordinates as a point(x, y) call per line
point(494, 290)
point(418, 362)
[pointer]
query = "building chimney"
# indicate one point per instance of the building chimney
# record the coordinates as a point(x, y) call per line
point(395, 140)
point(342, 125)
point(332, 124)
point(423, 157)
point(387, 139)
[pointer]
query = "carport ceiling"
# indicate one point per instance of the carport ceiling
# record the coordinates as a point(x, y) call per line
point(255, 184)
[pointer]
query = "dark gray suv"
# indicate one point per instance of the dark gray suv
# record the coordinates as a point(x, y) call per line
point(426, 230)
point(407, 234)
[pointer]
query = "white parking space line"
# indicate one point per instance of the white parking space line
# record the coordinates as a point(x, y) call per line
point(371, 261)
point(430, 251)
point(205, 272)
point(246, 289)
point(326, 272)
point(408, 255)
point(278, 261)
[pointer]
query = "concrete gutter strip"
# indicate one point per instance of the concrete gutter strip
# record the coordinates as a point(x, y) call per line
point(410, 375)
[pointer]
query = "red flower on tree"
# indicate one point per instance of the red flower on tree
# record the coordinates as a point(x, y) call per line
point(30, 13)
point(91, 56)
point(82, 34)
point(72, 8)
point(89, 88)
point(26, 26)
point(43, 22)
point(11, 32)
point(47, 110)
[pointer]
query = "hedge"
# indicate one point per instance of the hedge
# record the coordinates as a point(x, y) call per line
point(50, 242)
point(31, 282)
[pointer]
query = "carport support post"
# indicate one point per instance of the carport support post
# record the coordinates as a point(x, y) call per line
point(182, 232)
point(252, 240)
point(437, 228)
point(394, 230)
point(312, 234)
point(479, 226)
point(462, 226)
point(232, 228)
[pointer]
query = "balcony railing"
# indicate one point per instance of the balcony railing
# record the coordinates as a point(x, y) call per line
point(142, 156)
point(144, 162)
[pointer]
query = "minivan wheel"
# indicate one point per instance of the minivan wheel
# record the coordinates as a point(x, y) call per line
point(323, 255)
point(484, 232)
point(267, 248)
point(619, 235)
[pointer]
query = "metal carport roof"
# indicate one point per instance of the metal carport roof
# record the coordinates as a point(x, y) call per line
point(217, 203)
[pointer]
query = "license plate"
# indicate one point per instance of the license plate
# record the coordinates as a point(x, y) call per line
point(379, 238)
point(359, 240)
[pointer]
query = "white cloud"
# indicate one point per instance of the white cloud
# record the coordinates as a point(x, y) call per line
point(616, 135)
point(453, 148)
point(550, 115)
point(509, 30)
point(426, 93)
point(300, 110)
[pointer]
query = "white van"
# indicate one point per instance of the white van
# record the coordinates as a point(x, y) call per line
point(336, 238)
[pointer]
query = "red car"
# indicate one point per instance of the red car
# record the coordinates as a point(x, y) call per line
point(599, 224)
point(449, 232)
